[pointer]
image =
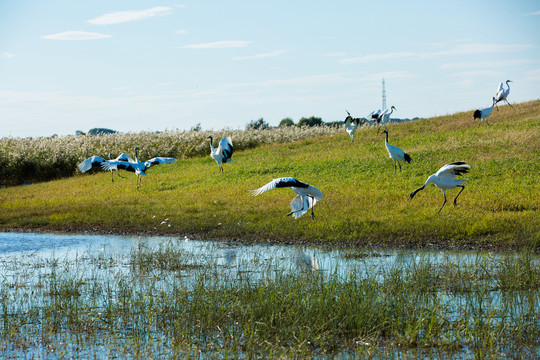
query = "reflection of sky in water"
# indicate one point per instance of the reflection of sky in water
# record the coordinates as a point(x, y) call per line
point(226, 254)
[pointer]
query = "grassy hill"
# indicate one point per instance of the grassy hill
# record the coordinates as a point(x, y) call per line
point(364, 202)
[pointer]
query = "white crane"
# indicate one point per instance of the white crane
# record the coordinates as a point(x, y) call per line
point(385, 117)
point(483, 113)
point(502, 93)
point(136, 166)
point(395, 153)
point(306, 198)
point(351, 124)
point(95, 161)
point(445, 179)
point(223, 153)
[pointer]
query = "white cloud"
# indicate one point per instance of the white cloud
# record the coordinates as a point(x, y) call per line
point(218, 45)
point(181, 32)
point(533, 75)
point(476, 73)
point(534, 13)
point(7, 55)
point(466, 49)
point(487, 64)
point(260, 56)
point(130, 15)
point(76, 35)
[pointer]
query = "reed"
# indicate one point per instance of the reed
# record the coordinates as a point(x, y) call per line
point(141, 306)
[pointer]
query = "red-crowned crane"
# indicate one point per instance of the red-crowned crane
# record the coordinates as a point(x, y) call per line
point(136, 166)
point(483, 113)
point(306, 198)
point(385, 117)
point(445, 179)
point(351, 124)
point(502, 93)
point(223, 153)
point(96, 161)
point(395, 153)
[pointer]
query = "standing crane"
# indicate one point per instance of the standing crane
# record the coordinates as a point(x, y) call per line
point(306, 198)
point(395, 153)
point(385, 117)
point(136, 166)
point(502, 93)
point(483, 113)
point(223, 153)
point(445, 179)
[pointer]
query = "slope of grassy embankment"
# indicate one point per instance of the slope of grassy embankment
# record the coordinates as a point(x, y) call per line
point(364, 202)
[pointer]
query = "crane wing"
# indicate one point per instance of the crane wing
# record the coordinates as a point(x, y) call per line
point(279, 183)
point(158, 161)
point(119, 165)
point(300, 205)
point(124, 157)
point(90, 163)
point(453, 169)
point(226, 148)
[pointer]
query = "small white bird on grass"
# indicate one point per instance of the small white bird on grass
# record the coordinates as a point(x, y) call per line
point(96, 161)
point(483, 113)
point(445, 179)
point(351, 124)
point(306, 198)
point(395, 153)
point(223, 153)
point(136, 166)
point(502, 93)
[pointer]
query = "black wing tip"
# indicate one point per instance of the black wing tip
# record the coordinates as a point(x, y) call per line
point(477, 114)
point(408, 158)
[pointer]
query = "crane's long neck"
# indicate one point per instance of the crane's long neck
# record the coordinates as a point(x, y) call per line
point(386, 137)
point(211, 146)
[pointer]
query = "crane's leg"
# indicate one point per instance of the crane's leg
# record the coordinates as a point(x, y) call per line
point(508, 103)
point(112, 176)
point(395, 167)
point(312, 213)
point(444, 193)
point(462, 188)
point(399, 166)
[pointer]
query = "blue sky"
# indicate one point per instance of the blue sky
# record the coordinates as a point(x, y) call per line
point(156, 65)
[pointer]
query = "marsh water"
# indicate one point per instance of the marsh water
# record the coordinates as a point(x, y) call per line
point(30, 262)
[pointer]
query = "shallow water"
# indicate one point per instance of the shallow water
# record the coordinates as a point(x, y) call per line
point(29, 260)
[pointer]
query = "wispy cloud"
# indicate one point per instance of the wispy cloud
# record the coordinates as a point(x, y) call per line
point(130, 15)
point(181, 32)
point(260, 56)
point(476, 73)
point(76, 35)
point(465, 49)
point(7, 55)
point(533, 13)
point(218, 45)
point(487, 64)
point(533, 75)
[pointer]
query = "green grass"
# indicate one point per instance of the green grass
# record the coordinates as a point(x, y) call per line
point(363, 203)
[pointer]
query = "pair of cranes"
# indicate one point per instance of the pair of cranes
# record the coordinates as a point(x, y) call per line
point(378, 117)
point(501, 95)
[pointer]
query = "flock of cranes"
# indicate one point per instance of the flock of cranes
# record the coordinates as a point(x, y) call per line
point(308, 195)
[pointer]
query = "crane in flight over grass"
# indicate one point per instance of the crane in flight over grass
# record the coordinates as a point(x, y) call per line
point(482, 114)
point(136, 166)
point(375, 117)
point(223, 153)
point(395, 153)
point(306, 198)
point(96, 161)
point(351, 124)
point(445, 179)
point(502, 93)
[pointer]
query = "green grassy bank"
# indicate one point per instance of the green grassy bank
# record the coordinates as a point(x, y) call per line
point(364, 202)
